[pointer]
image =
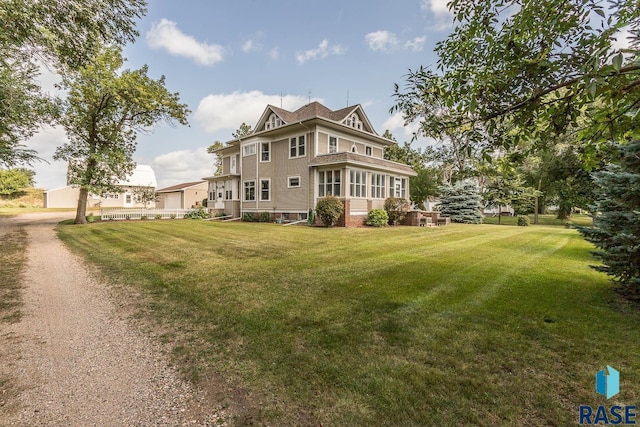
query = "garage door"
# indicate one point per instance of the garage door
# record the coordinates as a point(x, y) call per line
point(172, 201)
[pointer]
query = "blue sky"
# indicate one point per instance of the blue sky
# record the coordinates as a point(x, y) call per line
point(228, 60)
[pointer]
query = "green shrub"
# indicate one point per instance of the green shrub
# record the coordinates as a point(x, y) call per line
point(158, 216)
point(143, 217)
point(396, 208)
point(265, 217)
point(329, 209)
point(249, 217)
point(377, 218)
point(172, 216)
point(197, 214)
point(523, 220)
point(91, 218)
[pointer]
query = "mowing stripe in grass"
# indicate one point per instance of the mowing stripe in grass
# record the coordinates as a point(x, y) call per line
point(454, 325)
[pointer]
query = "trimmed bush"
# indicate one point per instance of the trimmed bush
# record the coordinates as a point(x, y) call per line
point(523, 220)
point(265, 217)
point(249, 217)
point(197, 214)
point(329, 209)
point(377, 218)
point(396, 208)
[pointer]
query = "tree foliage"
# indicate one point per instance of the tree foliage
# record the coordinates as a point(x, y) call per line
point(102, 115)
point(63, 34)
point(616, 231)
point(506, 186)
point(516, 71)
point(14, 180)
point(217, 162)
point(242, 131)
point(461, 202)
point(396, 208)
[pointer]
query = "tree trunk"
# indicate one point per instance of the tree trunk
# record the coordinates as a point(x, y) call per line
point(81, 212)
point(499, 214)
point(537, 207)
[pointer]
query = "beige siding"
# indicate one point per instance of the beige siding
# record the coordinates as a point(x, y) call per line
point(65, 197)
point(358, 205)
point(226, 165)
point(378, 152)
point(279, 170)
point(323, 143)
point(377, 204)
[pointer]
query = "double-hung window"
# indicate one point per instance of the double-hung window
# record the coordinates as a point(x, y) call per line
point(265, 184)
point(249, 191)
point(297, 147)
point(333, 144)
point(358, 183)
point(329, 183)
point(249, 150)
point(265, 151)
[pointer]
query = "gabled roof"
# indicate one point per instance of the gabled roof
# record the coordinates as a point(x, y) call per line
point(180, 187)
point(311, 111)
point(142, 176)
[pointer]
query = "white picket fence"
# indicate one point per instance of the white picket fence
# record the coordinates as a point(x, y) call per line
point(139, 213)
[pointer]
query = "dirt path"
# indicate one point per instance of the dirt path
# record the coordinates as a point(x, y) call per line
point(75, 358)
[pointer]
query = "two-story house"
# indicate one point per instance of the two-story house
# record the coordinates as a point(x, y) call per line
point(291, 159)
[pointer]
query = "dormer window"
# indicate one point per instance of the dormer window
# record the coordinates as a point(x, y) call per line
point(273, 122)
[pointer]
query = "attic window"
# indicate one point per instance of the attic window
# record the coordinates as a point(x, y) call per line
point(354, 122)
point(273, 122)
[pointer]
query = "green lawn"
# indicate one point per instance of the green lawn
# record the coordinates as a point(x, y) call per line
point(455, 325)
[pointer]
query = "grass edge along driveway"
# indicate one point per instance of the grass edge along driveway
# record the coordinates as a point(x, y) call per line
point(458, 325)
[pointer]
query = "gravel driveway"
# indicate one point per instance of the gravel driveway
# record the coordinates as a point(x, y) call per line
point(74, 357)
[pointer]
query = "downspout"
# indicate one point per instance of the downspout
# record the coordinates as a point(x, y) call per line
point(308, 161)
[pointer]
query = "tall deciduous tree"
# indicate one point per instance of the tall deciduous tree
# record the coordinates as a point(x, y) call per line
point(535, 69)
point(102, 115)
point(64, 34)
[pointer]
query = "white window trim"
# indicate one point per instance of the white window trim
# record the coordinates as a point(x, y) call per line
point(298, 155)
point(244, 190)
point(289, 181)
point(261, 160)
point(354, 149)
point(368, 148)
point(269, 181)
point(244, 149)
point(329, 144)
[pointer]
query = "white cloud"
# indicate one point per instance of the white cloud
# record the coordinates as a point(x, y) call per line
point(623, 40)
point(274, 53)
point(382, 40)
point(182, 166)
point(229, 111)
point(249, 46)
point(395, 124)
point(437, 7)
point(386, 41)
point(166, 35)
point(416, 45)
point(322, 51)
